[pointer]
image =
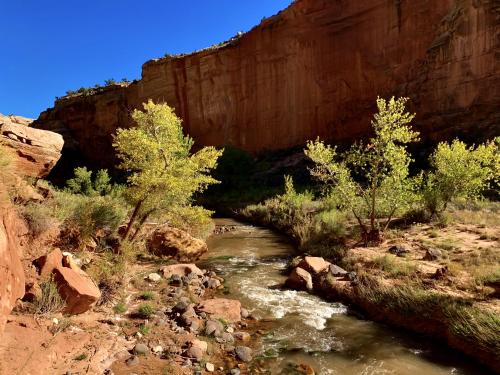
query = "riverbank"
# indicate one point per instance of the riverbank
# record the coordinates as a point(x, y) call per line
point(434, 287)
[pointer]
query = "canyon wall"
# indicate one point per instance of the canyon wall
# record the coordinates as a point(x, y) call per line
point(315, 69)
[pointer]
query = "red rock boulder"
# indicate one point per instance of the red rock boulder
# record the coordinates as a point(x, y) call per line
point(76, 288)
point(174, 243)
point(314, 265)
point(299, 279)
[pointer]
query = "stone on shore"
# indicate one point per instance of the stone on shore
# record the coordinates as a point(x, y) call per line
point(299, 279)
point(314, 265)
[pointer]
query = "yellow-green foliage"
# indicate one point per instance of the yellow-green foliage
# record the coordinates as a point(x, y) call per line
point(459, 171)
point(382, 163)
point(164, 173)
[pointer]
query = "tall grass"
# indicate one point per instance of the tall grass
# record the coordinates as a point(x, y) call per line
point(415, 301)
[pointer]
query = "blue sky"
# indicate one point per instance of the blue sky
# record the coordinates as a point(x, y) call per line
point(48, 47)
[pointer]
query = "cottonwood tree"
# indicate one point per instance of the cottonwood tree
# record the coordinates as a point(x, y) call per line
point(460, 171)
point(372, 179)
point(163, 172)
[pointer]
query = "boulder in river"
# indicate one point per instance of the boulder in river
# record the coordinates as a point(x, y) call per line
point(314, 265)
point(299, 279)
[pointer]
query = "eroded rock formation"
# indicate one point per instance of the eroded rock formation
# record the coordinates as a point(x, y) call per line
point(313, 70)
point(24, 144)
point(37, 151)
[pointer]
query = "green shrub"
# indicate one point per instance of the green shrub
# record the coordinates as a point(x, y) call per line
point(83, 183)
point(459, 171)
point(120, 308)
point(148, 296)
point(146, 310)
point(144, 329)
point(90, 216)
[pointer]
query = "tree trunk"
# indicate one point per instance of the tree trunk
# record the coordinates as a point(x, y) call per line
point(141, 223)
point(132, 219)
point(374, 236)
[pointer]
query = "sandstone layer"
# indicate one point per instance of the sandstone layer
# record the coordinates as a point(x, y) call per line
point(315, 69)
point(32, 153)
point(37, 151)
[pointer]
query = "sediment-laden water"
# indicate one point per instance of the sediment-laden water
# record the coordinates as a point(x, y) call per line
point(306, 329)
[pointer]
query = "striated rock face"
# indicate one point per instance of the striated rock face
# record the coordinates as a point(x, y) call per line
point(11, 270)
point(313, 70)
point(37, 151)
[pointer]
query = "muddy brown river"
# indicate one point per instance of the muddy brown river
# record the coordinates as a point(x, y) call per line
point(305, 328)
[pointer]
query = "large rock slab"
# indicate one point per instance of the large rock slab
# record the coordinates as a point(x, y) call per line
point(221, 308)
point(74, 285)
point(171, 242)
point(36, 151)
point(77, 289)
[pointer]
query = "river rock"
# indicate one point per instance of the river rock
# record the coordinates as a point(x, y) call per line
point(132, 361)
point(299, 279)
point(171, 242)
point(244, 313)
point(180, 270)
point(222, 308)
point(154, 277)
point(242, 336)
point(314, 265)
point(399, 251)
point(213, 328)
point(141, 349)
point(337, 271)
point(432, 254)
point(210, 367)
point(243, 353)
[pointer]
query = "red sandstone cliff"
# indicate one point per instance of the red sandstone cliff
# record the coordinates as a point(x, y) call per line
point(313, 70)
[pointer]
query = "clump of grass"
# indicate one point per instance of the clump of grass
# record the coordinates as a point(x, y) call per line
point(146, 310)
point(120, 308)
point(393, 267)
point(144, 329)
point(49, 301)
point(38, 217)
point(148, 295)
point(459, 315)
point(487, 275)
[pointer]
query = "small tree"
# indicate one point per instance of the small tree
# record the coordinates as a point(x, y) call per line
point(371, 180)
point(164, 174)
point(82, 182)
point(459, 171)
